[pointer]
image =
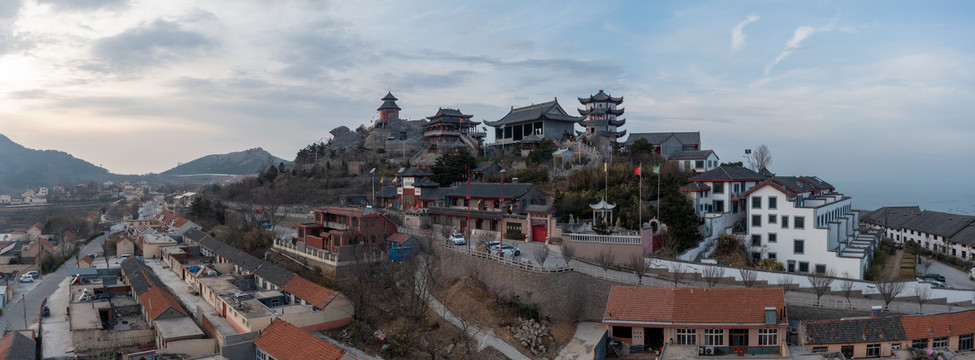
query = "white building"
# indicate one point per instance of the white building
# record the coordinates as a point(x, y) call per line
point(699, 161)
point(803, 223)
point(4, 199)
point(949, 234)
point(42, 191)
point(716, 194)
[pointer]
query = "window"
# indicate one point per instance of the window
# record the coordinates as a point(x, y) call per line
point(785, 221)
point(686, 336)
point(800, 223)
point(798, 247)
point(772, 218)
point(717, 188)
point(773, 202)
point(803, 266)
point(714, 337)
point(820, 349)
point(919, 343)
point(699, 164)
point(767, 337)
point(261, 355)
point(772, 255)
point(756, 220)
point(821, 268)
point(965, 342)
point(772, 237)
point(756, 202)
point(756, 240)
point(625, 332)
point(895, 347)
point(873, 350)
point(941, 342)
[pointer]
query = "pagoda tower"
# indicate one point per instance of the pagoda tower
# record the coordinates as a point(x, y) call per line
point(602, 116)
point(388, 111)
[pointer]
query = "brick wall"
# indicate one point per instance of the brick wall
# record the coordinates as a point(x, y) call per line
point(566, 296)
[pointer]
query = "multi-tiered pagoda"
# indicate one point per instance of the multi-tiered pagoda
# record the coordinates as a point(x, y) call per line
point(388, 111)
point(602, 116)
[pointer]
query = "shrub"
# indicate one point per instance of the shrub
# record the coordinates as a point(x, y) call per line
point(771, 264)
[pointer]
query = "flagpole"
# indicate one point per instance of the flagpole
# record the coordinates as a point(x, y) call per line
point(639, 222)
point(657, 170)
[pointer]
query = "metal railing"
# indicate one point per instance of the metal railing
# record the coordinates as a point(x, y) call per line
point(606, 239)
point(520, 264)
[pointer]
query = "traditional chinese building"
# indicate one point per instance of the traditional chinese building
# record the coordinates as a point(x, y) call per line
point(546, 120)
point(388, 111)
point(602, 116)
point(450, 128)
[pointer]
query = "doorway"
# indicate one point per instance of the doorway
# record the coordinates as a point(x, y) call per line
point(653, 339)
point(738, 338)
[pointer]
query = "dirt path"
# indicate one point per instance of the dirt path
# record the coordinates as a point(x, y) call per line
point(893, 266)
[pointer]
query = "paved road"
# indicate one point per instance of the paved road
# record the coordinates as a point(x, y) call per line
point(953, 277)
point(13, 313)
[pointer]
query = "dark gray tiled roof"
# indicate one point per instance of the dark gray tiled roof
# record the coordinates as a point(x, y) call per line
point(893, 217)
point(426, 182)
point(547, 110)
point(450, 113)
point(21, 347)
point(729, 173)
point(816, 182)
point(773, 184)
point(939, 223)
point(491, 190)
point(966, 236)
point(139, 282)
point(195, 235)
point(854, 331)
point(695, 186)
point(416, 171)
point(433, 194)
point(601, 96)
point(386, 191)
point(686, 138)
point(691, 154)
point(270, 272)
point(480, 214)
point(793, 183)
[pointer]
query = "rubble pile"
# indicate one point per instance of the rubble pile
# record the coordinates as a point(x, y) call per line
point(533, 335)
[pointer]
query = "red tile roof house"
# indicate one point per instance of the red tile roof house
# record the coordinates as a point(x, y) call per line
point(340, 235)
point(283, 341)
point(881, 337)
point(721, 321)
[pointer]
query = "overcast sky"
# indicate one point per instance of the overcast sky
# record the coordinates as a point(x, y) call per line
point(849, 91)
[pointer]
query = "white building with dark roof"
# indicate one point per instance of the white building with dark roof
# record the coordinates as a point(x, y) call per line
point(699, 161)
point(717, 197)
point(803, 223)
point(547, 120)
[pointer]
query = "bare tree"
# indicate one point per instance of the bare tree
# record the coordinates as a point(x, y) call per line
point(639, 266)
point(568, 254)
point(923, 293)
point(923, 265)
point(821, 283)
point(846, 286)
point(889, 287)
point(712, 275)
point(787, 283)
point(540, 255)
point(760, 158)
point(749, 277)
point(677, 273)
point(604, 258)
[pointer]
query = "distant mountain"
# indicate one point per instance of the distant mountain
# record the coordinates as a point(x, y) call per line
point(21, 168)
point(244, 162)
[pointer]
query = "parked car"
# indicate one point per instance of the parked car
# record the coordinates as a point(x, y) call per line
point(33, 274)
point(26, 279)
point(507, 250)
point(492, 244)
point(971, 273)
point(937, 284)
point(933, 276)
point(457, 239)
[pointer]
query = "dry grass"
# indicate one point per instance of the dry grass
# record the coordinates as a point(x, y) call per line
point(470, 299)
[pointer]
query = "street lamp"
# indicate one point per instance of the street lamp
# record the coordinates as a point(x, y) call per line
point(501, 222)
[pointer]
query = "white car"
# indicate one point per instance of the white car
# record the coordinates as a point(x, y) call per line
point(506, 250)
point(33, 274)
point(971, 273)
point(26, 279)
point(458, 239)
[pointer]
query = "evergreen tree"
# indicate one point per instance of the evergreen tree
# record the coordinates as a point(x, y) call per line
point(450, 168)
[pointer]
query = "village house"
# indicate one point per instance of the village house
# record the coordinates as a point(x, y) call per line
point(717, 197)
point(159, 307)
point(946, 233)
point(698, 161)
point(803, 223)
point(882, 336)
point(714, 321)
point(340, 234)
point(518, 210)
point(283, 341)
point(18, 345)
point(668, 143)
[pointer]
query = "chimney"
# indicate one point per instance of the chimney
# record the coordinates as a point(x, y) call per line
point(876, 311)
point(770, 315)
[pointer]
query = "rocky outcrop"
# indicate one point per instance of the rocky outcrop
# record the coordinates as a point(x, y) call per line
point(343, 138)
point(534, 336)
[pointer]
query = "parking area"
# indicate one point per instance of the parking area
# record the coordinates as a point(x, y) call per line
point(954, 278)
point(23, 288)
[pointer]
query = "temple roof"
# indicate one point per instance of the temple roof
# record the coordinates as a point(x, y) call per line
point(447, 112)
point(601, 122)
point(601, 111)
point(546, 110)
point(602, 205)
point(601, 97)
point(686, 138)
point(446, 115)
point(389, 102)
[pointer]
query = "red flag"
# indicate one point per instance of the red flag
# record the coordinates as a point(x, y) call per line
point(636, 170)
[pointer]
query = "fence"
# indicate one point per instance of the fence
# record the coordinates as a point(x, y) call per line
point(606, 239)
point(520, 264)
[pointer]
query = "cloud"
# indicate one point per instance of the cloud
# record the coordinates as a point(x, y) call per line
point(313, 52)
point(9, 40)
point(801, 34)
point(426, 80)
point(84, 5)
point(738, 35)
point(146, 46)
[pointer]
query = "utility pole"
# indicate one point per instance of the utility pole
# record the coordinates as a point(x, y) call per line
point(467, 175)
point(501, 223)
point(373, 173)
point(639, 222)
point(23, 298)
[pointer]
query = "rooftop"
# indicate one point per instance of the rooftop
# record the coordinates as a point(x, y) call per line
point(689, 305)
point(547, 110)
point(284, 341)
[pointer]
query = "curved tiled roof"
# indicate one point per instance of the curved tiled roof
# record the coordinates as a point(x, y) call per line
point(543, 111)
point(600, 97)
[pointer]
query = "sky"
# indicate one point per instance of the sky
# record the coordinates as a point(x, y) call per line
point(866, 94)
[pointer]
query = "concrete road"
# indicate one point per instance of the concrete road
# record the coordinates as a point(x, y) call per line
point(13, 313)
point(953, 277)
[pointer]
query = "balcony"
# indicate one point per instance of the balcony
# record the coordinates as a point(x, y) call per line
point(336, 225)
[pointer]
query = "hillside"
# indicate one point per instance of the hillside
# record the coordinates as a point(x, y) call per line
point(245, 162)
point(21, 167)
